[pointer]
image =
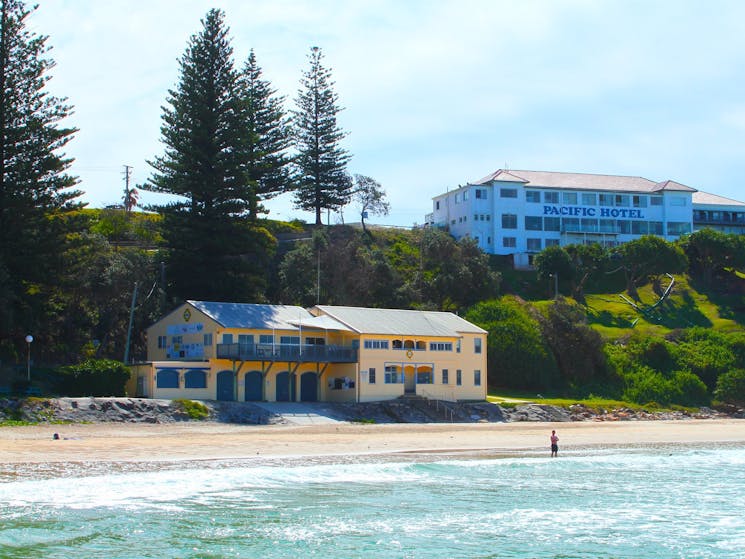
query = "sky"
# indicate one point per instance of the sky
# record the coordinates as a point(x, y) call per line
point(436, 93)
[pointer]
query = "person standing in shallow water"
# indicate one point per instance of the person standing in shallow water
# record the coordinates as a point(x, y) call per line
point(554, 444)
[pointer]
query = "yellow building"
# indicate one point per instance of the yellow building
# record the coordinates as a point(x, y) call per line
point(247, 352)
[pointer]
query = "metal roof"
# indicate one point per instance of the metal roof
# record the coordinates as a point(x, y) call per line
point(400, 322)
point(322, 322)
point(249, 315)
point(582, 181)
point(707, 199)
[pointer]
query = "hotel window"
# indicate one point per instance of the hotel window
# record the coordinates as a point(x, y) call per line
point(570, 224)
point(569, 198)
point(509, 242)
point(397, 344)
point(607, 225)
point(552, 224)
point(195, 379)
point(552, 243)
point(289, 340)
point(245, 339)
point(677, 201)
point(655, 228)
point(533, 223)
point(655, 200)
point(166, 378)
point(678, 228)
point(481, 193)
point(589, 199)
point(376, 344)
point(452, 222)
point(457, 198)
point(425, 377)
point(371, 375)
point(226, 339)
point(457, 345)
point(551, 197)
point(534, 245)
point(508, 193)
point(623, 227)
point(266, 339)
point(475, 217)
point(589, 225)
point(458, 377)
point(477, 378)
point(437, 205)
point(488, 217)
point(533, 196)
point(639, 201)
point(162, 342)
point(639, 227)
point(622, 200)
point(445, 376)
point(509, 221)
point(208, 339)
point(606, 199)
point(393, 375)
point(465, 195)
point(441, 346)
point(477, 345)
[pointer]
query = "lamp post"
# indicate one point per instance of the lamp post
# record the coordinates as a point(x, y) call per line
point(29, 339)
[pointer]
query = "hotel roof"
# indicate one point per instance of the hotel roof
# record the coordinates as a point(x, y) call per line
point(248, 315)
point(707, 199)
point(400, 322)
point(582, 181)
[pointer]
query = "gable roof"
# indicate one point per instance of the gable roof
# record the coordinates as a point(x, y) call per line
point(249, 315)
point(583, 181)
point(400, 322)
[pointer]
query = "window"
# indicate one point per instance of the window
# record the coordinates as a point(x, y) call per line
point(167, 378)
point(457, 198)
point(444, 376)
point(475, 217)
point(376, 344)
point(477, 378)
point(509, 221)
point(465, 195)
point(607, 225)
point(533, 196)
point(678, 228)
point(508, 193)
point(425, 377)
point(441, 346)
point(534, 245)
point(481, 193)
point(459, 377)
point(437, 205)
point(162, 342)
point(371, 375)
point(639, 227)
point(398, 344)
point(290, 340)
point(589, 199)
point(245, 339)
point(569, 198)
point(477, 345)
point(226, 339)
point(623, 227)
point(208, 339)
point(606, 199)
point(655, 227)
point(195, 379)
point(551, 197)
point(266, 339)
point(552, 224)
point(552, 242)
point(639, 201)
point(533, 223)
point(655, 200)
point(509, 242)
point(570, 223)
point(622, 200)
point(315, 341)
point(421, 346)
point(677, 201)
point(589, 225)
point(393, 375)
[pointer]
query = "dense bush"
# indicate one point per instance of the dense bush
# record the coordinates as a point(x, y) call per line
point(731, 387)
point(95, 377)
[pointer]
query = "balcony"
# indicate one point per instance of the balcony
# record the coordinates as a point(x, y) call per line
point(287, 352)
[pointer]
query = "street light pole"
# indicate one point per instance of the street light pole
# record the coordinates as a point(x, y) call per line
point(29, 339)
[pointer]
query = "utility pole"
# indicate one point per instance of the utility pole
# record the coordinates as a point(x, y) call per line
point(127, 191)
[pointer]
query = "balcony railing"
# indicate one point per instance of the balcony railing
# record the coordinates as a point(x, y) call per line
point(288, 352)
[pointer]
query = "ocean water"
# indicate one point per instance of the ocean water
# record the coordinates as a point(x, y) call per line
point(664, 502)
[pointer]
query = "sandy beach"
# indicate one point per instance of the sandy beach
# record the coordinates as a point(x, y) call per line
point(104, 442)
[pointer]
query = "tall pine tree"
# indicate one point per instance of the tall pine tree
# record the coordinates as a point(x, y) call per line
point(322, 182)
point(268, 137)
point(35, 190)
point(212, 252)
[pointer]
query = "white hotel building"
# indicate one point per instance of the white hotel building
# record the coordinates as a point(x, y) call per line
point(520, 213)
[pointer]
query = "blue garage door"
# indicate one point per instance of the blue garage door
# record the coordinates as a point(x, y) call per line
point(254, 381)
point(285, 392)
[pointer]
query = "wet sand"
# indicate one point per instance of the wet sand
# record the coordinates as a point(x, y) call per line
point(129, 442)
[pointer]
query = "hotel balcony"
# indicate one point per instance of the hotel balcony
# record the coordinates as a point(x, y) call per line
point(288, 352)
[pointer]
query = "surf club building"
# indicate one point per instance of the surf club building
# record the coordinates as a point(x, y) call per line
point(250, 352)
point(519, 213)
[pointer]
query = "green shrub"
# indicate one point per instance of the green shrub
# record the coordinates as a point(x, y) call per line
point(731, 387)
point(195, 410)
point(94, 377)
